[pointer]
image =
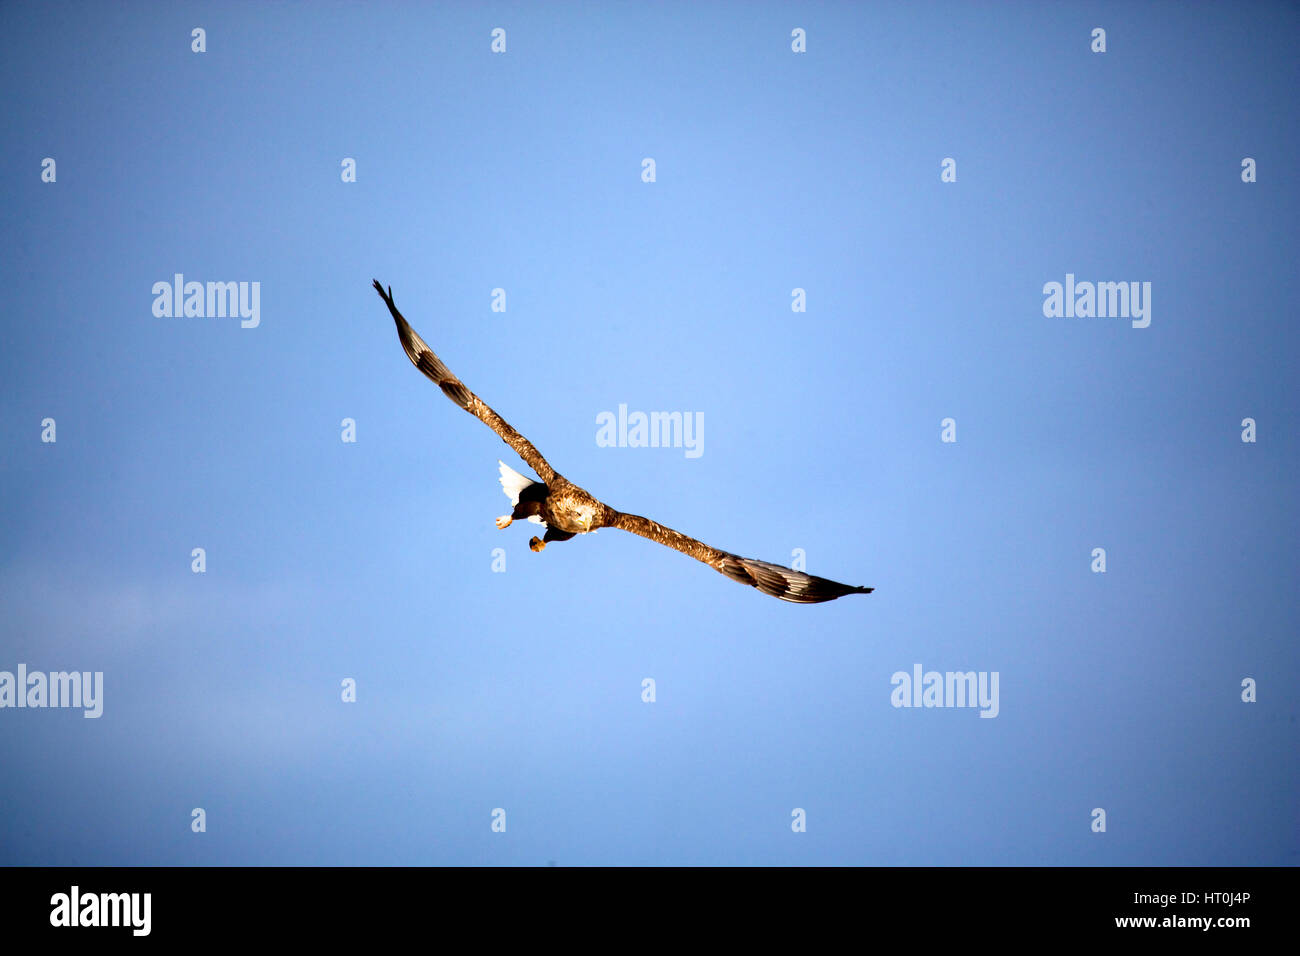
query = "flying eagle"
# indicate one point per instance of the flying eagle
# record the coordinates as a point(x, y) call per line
point(567, 510)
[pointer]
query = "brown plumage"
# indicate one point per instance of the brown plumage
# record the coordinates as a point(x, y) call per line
point(567, 509)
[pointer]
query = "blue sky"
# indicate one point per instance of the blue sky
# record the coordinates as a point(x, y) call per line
point(522, 690)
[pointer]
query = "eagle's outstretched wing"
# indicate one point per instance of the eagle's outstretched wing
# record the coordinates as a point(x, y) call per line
point(428, 363)
point(769, 578)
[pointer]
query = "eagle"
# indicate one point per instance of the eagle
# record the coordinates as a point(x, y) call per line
point(567, 510)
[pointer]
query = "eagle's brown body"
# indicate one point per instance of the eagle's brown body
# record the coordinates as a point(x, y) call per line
point(573, 509)
point(569, 510)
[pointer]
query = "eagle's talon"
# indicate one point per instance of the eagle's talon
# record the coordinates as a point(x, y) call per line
point(503, 522)
point(536, 543)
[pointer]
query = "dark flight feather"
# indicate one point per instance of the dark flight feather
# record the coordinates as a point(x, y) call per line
point(773, 579)
point(423, 357)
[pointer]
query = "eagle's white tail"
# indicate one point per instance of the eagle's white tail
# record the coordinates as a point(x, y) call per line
point(512, 482)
